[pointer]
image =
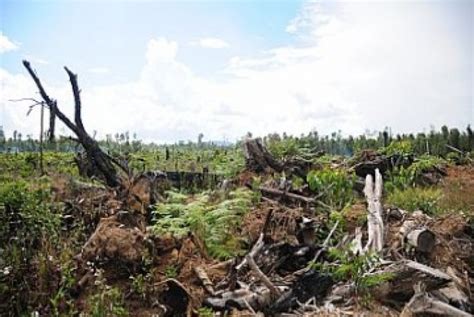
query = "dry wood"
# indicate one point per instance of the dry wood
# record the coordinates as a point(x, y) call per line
point(280, 193)
point(96, 156)
point(356, 245)
point(206, 282)
point(257, 157)
point(422, 239)
point(404, 276)
point(262, 277)
point(373, 193)
point(423, 303)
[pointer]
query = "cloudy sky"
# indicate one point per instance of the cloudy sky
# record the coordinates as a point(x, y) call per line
point(171, 70)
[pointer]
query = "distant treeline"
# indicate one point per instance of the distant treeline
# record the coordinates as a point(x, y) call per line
point(436, 142)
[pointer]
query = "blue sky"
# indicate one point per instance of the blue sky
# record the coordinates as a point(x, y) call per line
point(113, 34)
point(169, 70)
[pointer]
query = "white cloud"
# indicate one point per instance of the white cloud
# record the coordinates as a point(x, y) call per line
point(98, 70)
point(211, 42)
point(6, 44)
point(357, 66)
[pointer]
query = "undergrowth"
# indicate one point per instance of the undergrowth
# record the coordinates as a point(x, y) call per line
point(405, 177)
point(416, 198)
point(212, 218)
point(347, 266)
point(29, 225)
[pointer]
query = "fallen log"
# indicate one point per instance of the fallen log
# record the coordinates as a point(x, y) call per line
point(284, 194)
point(423, 240)
point(404, 275)
point(422, 304)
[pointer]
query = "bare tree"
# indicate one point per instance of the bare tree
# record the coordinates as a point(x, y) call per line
point(103, 163)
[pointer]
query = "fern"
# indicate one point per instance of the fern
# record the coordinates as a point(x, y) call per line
point(214, 220)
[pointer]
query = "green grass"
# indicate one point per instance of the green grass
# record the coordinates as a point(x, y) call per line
point(416, 198)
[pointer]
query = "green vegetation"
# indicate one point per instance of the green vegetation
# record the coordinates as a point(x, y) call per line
point(212, 218)
point(335, 187)
point(28, 222)
point(38, 272)
point(107, 301)
point(416, 198)
point(406, 177)
point(353, 267)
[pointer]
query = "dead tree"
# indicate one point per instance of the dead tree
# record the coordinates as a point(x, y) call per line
point(374, 218)
point(52, 126)
point(257, 157)
point(100, 160)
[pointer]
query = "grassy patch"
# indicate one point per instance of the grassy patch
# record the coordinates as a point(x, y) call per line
point(416, 198)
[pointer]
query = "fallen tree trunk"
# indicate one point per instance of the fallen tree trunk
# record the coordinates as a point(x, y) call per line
point(96, 156)
point(404, 275)
point(423, 240)
point(422, 304)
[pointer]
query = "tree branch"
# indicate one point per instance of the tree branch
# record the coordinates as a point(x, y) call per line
point(52, 104)
point(77, 98)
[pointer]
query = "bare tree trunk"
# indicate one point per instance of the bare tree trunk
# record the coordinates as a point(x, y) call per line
point(52, 126)
point(97, 157)
point(257, 157)
point(374, 217)
point(41, 138)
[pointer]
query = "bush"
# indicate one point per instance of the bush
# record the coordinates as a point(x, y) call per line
point(415, 198)
point(405, 177)
point(334, 186)
point(403, 147)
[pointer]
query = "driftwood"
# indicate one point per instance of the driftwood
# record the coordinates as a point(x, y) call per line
point(373, 193)
point(96, 156)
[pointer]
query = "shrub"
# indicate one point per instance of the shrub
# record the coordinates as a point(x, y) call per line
point(403, 147)
point(283, 148)
point(405, 177)
point(415, 198)
point(334, 186)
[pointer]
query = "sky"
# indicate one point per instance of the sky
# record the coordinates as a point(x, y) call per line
point(170, 70)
